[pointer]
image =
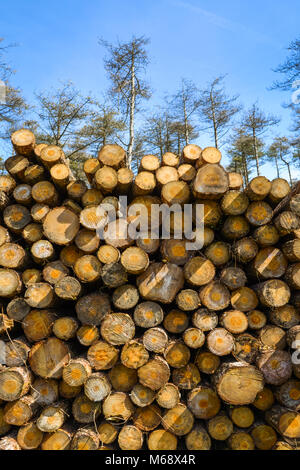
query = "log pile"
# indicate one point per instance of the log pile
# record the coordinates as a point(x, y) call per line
point(128, 344)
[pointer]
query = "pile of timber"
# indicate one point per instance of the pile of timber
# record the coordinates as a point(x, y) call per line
point(143, 344)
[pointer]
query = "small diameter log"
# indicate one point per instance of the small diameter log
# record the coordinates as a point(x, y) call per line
point(191, 153)
point(12, 256)
point(112, 155)
point(44, 192)
point(97, 387)
point(22, 194)
point(288, 394)
point(219, 253)
point(241, 416)
point(29, 437)
point(23, 141)
point(125, 178)
point(293, 205)
point(87, 268)
point(58, 440)
point(220, 427)
point(134, 260)
point(241, 440)
point(166, 174)
point(51, 155)
point(266, 235)
point(178, 420)
point(215, 296)
point(187, 377)
point(106, 179)
point(14, 383)
point(16, 217)
point(273, 337)
point(273, 293)
point(117, 328)
point(154, 374)
point(92, 308)
point(188, 300)
point(259, 213)
point(292, 275)
point(102, 356)
point(234, 321)
point(130, 438)
point(60, 174)
point(107, 432)
point(4, 236)
point(37, 325)
point(155, 340)
point(258, 188)
point(280, 188)
point(113, 275)
point(32, 233)
point(52, 417)
point(176, 321)
point(48, 358)
point(31, 276)
point(264, 436)
point(17, 309)
point(16, 352)
point(69, 255)
point(84, 410)
point(116, 234)
point(235, 180)
point(244, 299)
point(90, 218)
point(175, 192)
point(76, 372)
point(42, 251)
point(234, 203)
point(7, 184)
point(235, 227)
point(54, 272)
point(85, 439)
point(220, 342)
point(162, 440)
point(286, 222)
point(211, 182)
point(286, 422)
point(212, 212)
point(134, 355)
point(238, 383)
point(160, 282)
point(198, 439)
point(33, 174)
point(39, 295)
point(65, 328)
point(207, 362)
point(205, 320)
point(168, 396)
point(269, 263)
point(177, 354)
point(186, 172)
point(76, 189)
point(45, 391)
point(122, 378)
point(87, 335)
point(291, 250)
point(91, 197)
point(148, 314)
point(285, 317)
point(233, 278)
point(39, 212)
point(199, 271)
point(10, 283)
point(170, 159)
point(194, 338)
point(246, 348)
point(125, 297)
point(108, 254)
point(149, 163)
point(276, 366)
point(174, 251)
point(19, 412)
point(61, 226)
point(118, 408)
point(16, 166)
point(147, 418)
point(203, 402)
point(142, 396)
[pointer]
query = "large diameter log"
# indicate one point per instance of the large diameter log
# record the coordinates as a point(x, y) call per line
point(211, 182)
point(238, 383)
point(112, 155)
point(161, 282)
point(61, 226)
point(258, 188)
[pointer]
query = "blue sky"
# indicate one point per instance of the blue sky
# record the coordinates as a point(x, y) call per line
point(196, 39)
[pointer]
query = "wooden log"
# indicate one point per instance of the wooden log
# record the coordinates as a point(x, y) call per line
point(87, 268)
point(286, 422)
point(155, 340)
point(264, 436)
point(10, 283)
point(286, 222)
point(220, 342)
point(22, 194)
point(92, 308)
point(168, 396)
point(264, 399)
point(175, 192)
point(174, 251)
point(234, 202)
point(187, 377)
point(286, 316)
point(244, 299)
point(91, 197)
point(162, 440)
point(266, 235)
point(60, 174)
point(5, 236)
point(235, 180)
point(233, 277)
point(76, 189)
point(203, 402)
point(280, 188)
point(234, 321)
point(147, 418)
point(134, 260)
point(288, 394)
point(90, 166)
point(34, 174)
point(7, 184)
point(125, 297)
point(39, 212)
point(14, 383)
point(191, 153)
point(97, 386)
point(12, 256)
point(273, 293)
point(51, 155)
point(32, 233)
point(142, 396)
point(269, 263)
point(122, 378)
point(238, 383)
point(17, 309)
point(207, 362)
point(240, 440)
point(37, 325)
point(58, 440)
point(130, 438)
point(176, 321)
point(117, 328)
point(154, 374)
point(102, 356)
point(219, 253)
point(107, 432)
point(87, 335)
point(148, 314)
point(259, 213)
point(241, 416)
point(29, 437)
point(114, 275)
point(246, 348)
point(170, 159)
point(188, 300)
point(65, 328)
point(134, 355)
point(258, 188)
point(108, 254)
point(194, 338)
point(39, 295)
point(23, 141)
point(61, 226)
point(215, 296)
point(48, 358)
point(160, 282)
point(118, 408)
point(125, 179)
point(186, 172)
point(44, 192)
point(42, 251)
point(112, 155)
point(69, 255)
point(166, 174)
point(106, 179)
point(52, 417)
point(54, 272)
point(205, 320)
point(85, 439)
point(116, 234)
point(178, 420)
point(16, 217)
point(16, 166)
point(199, 271)
point(45, 391)
point(273, 337)
point(211, 182)
point(84, 410)
point(31, 276)
point(276, 366)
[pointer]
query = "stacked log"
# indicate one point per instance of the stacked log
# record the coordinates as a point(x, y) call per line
point(120, 343)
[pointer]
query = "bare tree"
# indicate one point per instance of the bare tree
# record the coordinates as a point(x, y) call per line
point(185, 104)
point(217, 109)
point(241, 153)
point(280, 150)
point(126, 65)
point(256, 122)
point(290, 68)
